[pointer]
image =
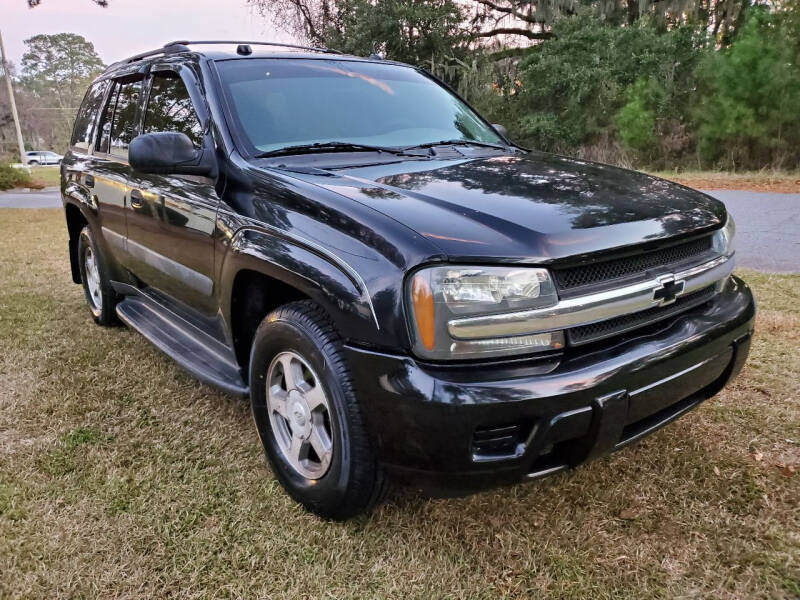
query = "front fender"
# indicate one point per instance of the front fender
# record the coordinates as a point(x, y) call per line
point(304, 265)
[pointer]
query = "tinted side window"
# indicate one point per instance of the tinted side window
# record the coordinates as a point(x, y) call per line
point(87, 115)
point(123, 126)
point(104, 129)
point(170, 108)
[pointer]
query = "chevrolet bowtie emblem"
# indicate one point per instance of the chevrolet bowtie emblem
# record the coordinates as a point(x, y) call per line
point(668, 291)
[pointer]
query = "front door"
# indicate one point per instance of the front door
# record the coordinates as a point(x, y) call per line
point(172, 218)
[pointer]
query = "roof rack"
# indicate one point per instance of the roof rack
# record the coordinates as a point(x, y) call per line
point(183, 46)
point(244, 43)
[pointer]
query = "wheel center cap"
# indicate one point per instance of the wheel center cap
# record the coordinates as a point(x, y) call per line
point(298, 411)
point(298, 414)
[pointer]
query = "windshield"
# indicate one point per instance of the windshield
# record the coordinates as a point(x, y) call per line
point(290, 102)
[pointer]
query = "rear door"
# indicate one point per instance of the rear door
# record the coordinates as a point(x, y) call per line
point(172, 218)
point(78, 169)
point(118, 125)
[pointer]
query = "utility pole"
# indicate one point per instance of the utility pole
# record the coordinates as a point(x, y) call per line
point(13, 103)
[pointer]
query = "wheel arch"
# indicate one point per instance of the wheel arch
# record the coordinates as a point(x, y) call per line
point(262, 271)
point(253, 296)
point(76, 221)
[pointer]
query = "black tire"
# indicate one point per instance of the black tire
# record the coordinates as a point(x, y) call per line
point(33, 162)
point(353, 482)
point(101, 306)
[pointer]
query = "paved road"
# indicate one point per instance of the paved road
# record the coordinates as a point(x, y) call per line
point(768, 225)
point(767, 229)
point(46, 198)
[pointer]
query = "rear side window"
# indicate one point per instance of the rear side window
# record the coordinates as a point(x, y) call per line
point(118, 125)
point(123, 128)
point(87, 116)
point(170, 108)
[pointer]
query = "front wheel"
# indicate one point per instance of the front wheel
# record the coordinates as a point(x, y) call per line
point(307, 414)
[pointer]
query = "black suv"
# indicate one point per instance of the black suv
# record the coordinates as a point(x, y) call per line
point(400, 290)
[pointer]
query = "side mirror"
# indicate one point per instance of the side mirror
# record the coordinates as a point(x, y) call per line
point(501, 130)
point(169, 153)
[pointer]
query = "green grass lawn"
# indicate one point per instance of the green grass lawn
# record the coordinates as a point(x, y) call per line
point(121, 476)
point(46, 176)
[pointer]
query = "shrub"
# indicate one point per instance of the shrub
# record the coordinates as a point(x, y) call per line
point(636, 121)
point(11, 177)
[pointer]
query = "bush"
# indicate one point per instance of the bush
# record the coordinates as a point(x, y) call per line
point(636, 121)
point(11, 177)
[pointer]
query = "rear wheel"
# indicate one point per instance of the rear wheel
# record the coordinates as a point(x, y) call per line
point(97, 288)
point(307, 414)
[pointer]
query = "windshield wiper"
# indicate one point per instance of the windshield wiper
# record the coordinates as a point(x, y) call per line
point(459, 143)
point(332, 147)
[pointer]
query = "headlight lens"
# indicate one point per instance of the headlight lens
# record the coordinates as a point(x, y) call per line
point(438, 294)
point(724, 242)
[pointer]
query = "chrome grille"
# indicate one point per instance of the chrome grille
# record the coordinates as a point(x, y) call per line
point(630, 266)
point(604, 329)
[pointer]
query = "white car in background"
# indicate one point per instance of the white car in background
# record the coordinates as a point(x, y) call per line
point(42, 157)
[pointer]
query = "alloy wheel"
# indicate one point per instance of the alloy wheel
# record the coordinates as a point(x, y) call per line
point(299, 415)
point(93, 279)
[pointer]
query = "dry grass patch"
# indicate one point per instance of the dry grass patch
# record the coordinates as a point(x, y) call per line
point(121, 477)
point(755, 181)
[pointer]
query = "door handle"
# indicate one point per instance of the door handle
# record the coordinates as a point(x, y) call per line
point(88, 181)
point(136, 199)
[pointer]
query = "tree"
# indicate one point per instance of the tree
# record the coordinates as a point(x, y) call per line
point(594, 78)
point(515, 22)
point(748, 116)
point(56, 70)
point(407, 30)
point(411, 31)
point(314, 20)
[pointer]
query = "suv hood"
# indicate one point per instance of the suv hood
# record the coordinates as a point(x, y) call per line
point(535, 207)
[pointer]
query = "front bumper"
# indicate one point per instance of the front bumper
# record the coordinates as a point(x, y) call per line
point(431, 424)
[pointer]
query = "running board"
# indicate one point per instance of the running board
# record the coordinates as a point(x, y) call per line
point(198, 353)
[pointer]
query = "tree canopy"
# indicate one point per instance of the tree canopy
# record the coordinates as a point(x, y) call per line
point(497, 21)
point(54, 73)
point(59, 67)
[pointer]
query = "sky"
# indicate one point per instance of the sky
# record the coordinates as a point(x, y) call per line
point(126, 27)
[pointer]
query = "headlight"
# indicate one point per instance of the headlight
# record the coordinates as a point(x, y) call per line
point(724, 238)
point(438, 294)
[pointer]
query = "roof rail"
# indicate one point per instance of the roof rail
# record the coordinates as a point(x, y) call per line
point(279, 44)
point(183, 46)
point(170, 48)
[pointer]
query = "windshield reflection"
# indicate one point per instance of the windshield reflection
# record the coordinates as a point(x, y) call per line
point(280, 103)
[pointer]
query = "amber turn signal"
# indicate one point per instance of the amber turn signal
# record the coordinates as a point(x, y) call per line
point(422, 297)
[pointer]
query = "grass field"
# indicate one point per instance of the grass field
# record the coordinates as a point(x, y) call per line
point(121, 477)
point(755, 181)
point(46, 176)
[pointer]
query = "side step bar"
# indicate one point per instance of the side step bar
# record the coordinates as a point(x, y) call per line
point(192, 349)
